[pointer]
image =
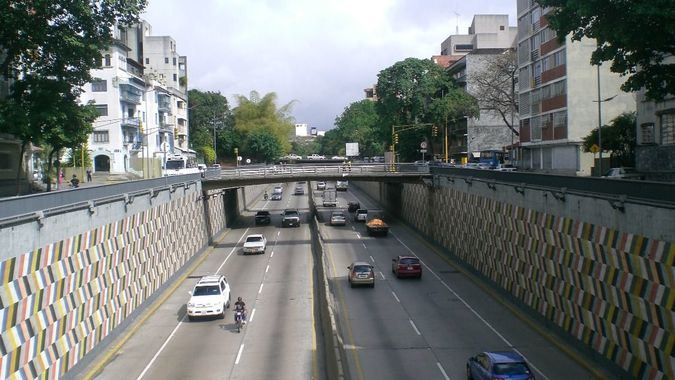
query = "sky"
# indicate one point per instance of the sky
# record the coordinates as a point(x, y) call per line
point(318, 54)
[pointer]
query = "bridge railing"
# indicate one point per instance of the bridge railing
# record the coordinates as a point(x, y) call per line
point(301, 170)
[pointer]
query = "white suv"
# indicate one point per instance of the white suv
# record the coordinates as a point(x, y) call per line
point(211, 296)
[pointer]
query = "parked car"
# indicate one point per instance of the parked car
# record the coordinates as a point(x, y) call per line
point(361, 273)
point(299, 190)
point(623, 173)
point(209, 297)
point(337, 218)
point(321, 185)
point(498, 365)
point(290, 218)
point(406, 266)
point(361, 215)
point(353, 206)
point(255, 243)
point(263, 217)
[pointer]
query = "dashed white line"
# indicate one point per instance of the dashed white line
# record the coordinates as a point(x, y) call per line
point(381, 274)
point(466, 304)
point(414, 327)
point(252, 315)
point(241, 349)
point(267, 268)
point(445, 375)
point(358, 235)
point(364, 246)
point(353, 229)
point(272, 254)
point(278, 233)
point(372, 259)
point(260, 290)
point(395, 296)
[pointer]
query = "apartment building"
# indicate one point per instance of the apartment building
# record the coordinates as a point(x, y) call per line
point(485, 32)
point(558, 95)
point(143, 105)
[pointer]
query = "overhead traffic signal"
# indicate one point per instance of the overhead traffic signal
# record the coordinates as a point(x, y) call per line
point(434, 130)
point(395, 138)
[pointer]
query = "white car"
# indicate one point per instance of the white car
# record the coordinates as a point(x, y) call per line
point(361, 215)
point(255, 243)
point(337, 218)
point(294, 157)
point(337, 158)
point(278, 190)
point(316, 157)
point(321, 185)
point(211, 296)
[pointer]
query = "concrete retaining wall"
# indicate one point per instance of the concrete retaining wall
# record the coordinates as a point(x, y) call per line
point(598, 272)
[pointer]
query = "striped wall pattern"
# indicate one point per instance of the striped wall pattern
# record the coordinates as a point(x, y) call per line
point(59, 301)
point(609, 289)
point(216, 206)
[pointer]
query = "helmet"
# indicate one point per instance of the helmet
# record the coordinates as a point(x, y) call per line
point(238, 298)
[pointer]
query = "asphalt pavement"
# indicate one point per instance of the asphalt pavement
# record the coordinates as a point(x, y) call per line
point(421, 328)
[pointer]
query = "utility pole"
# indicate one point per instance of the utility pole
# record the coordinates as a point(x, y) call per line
point(215, 145)
point(599, 123)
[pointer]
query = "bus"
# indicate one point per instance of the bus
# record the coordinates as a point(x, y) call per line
point(178, 164)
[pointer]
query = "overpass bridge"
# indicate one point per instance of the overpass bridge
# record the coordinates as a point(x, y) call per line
point(399, 173)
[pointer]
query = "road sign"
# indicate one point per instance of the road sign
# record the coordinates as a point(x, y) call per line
point(248, 160)
point(594, 148)
point(423, 145)
point(239, 158)
point(352, 149)
point(423, 150)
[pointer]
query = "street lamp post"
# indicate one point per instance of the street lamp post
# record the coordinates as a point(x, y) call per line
point(600, 101)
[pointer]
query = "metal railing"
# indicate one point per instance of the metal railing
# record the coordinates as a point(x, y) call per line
point(303, 170)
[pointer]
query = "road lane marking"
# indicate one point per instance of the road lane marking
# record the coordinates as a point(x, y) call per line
point(261, 287)
point(272, 254)
point(445, 375)
point(278, 233)
point(358, 235)
point(364, 246)
point(466, 304)
point(354, 229)
point(241, 349)
point(252, 315)
point(147, 367)
point(168, 339)
point(267, 268)
point(395, 296)
point(371, 257)
point(414, 327)
point(381, 274)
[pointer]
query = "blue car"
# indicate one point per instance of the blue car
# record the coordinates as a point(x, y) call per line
point(498, 365)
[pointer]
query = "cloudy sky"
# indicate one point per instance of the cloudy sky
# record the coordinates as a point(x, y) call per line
point(319, 53)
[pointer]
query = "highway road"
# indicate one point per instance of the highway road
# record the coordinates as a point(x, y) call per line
point(427, 328)
point(280, 340)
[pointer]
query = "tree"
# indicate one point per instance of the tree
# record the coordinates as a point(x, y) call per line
point(494, 86)
point(264, 146)
point(358, 123)
point(635, 35)
point(75, 157)
point(254, 115)
point(618, 138)
point(208, 111)
point(48, 42)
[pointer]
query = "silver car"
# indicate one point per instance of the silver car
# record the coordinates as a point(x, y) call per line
point(337, 218)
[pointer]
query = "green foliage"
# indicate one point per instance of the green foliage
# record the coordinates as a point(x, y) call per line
point(263, 145)
point(618, 138)
point(255, 119)
point(305, 147)
point(635, 35)
point(359, 122)
point(208, 154)
point(75, 157)
point(209, 110)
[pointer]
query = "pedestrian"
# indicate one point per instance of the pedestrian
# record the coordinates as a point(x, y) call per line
point(88, 174)
point(74, 182)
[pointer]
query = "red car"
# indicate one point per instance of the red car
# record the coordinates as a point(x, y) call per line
point(406, 266)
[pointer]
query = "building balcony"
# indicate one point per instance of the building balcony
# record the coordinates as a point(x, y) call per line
point(549, 46)
point(182, 130)
point(130, 94)
point(131, 122)
point(554, 73)
point(553, 103)
point(164, 103)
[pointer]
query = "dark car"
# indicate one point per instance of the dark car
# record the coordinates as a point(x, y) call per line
point(263, 217)
point(498, 365)
point(406, 266)
point(290, 218)
point(353, 206)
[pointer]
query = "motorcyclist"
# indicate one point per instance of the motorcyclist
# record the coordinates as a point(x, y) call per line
point(74, 182)
point(240, 305)
point(265, 196)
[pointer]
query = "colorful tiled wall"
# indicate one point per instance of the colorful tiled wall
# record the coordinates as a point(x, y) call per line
point(610, 289)
point(59, 301)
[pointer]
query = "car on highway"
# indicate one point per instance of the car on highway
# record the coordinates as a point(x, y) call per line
point(293, 156)
point(338, 158)
point(505, 168)
point(216, 166)
point(263, 217)
point(209, 297)
point(406, 266)
point(337, 218)
point(277, 190)
point(299, 190)
point(290, 218)
point(276, 196)
point(623, 173)
point(255, 243)
point(498, 365)
point(315, 156)
point(361, 215)
point(361, 273)
point(341, 185)
point(353, 206)
point(321, 185)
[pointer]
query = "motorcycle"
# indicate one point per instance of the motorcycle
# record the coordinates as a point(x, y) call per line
point(265, 196)
point(239, 319)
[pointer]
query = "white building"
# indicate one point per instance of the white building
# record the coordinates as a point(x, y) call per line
point(301, 130)
point(558, 90)
point(486, 32)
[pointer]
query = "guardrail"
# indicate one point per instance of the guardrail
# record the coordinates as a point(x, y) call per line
point(285, 170)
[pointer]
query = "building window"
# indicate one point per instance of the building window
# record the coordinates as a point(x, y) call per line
point(101, 137)
point(175, 77)
point(147, 61)
point(668, 129)
point(100, 85)
point(647, 133)
point(102, 109)
point(463, 47)
point(106, 61)
point(166, 59)
point(174, 61)
point(501, 27)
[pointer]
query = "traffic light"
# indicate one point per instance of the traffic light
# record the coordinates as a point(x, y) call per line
point(395, 138)
point(434, 130)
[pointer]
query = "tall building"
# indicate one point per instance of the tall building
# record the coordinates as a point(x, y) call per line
point(301, 130)
point(485, 32)
point(141, 93)
point(558, 95)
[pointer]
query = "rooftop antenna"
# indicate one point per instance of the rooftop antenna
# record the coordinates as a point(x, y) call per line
point(457, 27)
